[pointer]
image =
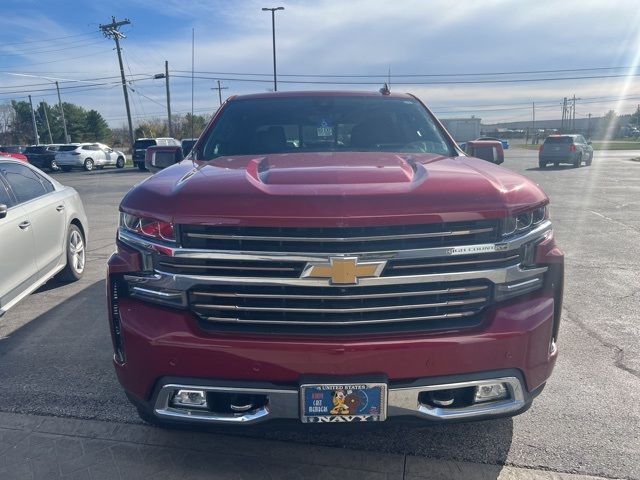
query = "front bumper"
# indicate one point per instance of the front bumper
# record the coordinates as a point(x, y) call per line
point(165, 346)
point(404, 399)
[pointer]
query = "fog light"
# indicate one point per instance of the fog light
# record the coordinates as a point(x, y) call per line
point(490, 392)
point(189, 398)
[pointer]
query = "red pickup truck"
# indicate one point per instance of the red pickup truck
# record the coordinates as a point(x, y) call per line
point(333, 257)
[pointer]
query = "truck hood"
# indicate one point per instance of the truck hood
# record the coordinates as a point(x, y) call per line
point(332, 189)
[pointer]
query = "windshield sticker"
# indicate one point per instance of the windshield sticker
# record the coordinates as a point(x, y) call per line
point(324, 129)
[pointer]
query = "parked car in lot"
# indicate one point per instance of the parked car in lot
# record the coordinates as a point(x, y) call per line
point(505, 143)
point(88, 156)
point(572, 149)
point(489, 150)
point(162, 156)
point(140, 147)
point(187, 145)
point(333, 257)
point(43, 231)
point(42, 156)
point(17, 156)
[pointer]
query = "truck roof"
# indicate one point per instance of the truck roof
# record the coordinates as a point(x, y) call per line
point(318, 93)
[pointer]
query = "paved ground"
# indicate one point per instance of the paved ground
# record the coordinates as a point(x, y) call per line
point(55, 356)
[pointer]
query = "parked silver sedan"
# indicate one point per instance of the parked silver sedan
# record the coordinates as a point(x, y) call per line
point(43, 231)
point(88, 156)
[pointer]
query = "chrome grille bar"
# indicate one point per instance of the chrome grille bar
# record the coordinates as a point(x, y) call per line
point(343, 322)
point(386, 308)
point(341, 297)
point(450, 233)
point(449, 264)
point(227, 267)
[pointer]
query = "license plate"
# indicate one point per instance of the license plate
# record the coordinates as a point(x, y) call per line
point(358, 402)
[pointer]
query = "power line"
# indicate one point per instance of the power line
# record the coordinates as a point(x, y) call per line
point(54, 61)
point(39, 52)
point(386, 75)
point(396, 82)
point(45, 40)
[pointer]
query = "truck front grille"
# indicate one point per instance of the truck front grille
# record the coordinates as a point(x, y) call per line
point(347, 240)
point(430, 305)
point(251, 278)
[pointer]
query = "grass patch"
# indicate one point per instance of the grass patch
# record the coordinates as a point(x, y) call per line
point(598, 146)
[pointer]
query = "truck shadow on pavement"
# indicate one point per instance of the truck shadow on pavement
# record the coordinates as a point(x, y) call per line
point(62, 359)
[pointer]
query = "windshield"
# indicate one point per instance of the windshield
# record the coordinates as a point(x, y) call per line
point(320, 124)
point(140, 144)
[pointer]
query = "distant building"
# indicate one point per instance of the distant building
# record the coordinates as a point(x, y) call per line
point(462, 129)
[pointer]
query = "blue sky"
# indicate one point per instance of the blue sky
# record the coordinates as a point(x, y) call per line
point(60, 40)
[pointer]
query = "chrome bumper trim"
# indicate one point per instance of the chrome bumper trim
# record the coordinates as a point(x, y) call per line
point(499, 275)
point(285, 403)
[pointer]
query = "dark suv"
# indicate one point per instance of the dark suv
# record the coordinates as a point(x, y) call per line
point(557, 149)
point(140, 148)
point(42, 156)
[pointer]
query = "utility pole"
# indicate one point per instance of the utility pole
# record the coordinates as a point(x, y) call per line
point(33, 123)
point(111, 30)
point(273, 35)
point(573, 116)
point(564, 112)
point(193, 56)
point(64, 123)
point(46, 119)
point(220, 88)
point(533, 123)
point(166, 77)
point(589, 127)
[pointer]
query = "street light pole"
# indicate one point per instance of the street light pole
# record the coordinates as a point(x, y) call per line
point(273, 34)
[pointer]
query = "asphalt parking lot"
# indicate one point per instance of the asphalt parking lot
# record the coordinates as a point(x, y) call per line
point(55, 350)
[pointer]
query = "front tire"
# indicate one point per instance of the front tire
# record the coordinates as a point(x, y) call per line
point(141, 167)
point(53, 166)
point(542, 164)
point(120, 162)
point(88, 164)
point(590, 160)
point(76, 255)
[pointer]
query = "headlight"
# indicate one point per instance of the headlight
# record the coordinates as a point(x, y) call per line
point(525, 221)
point(148, 227)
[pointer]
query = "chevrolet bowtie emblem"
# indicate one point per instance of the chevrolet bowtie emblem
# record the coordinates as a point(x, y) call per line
point(343, 270)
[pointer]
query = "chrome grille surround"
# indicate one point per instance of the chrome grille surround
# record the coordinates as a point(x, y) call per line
point(417, 289)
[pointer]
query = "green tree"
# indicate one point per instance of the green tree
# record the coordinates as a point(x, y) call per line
point(96, 127)
point(21, 125)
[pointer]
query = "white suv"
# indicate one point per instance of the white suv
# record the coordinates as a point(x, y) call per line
point(88, 156)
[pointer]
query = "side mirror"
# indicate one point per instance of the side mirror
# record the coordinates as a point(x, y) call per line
point(162, 156)
point(3, 210)
point(588, 142)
